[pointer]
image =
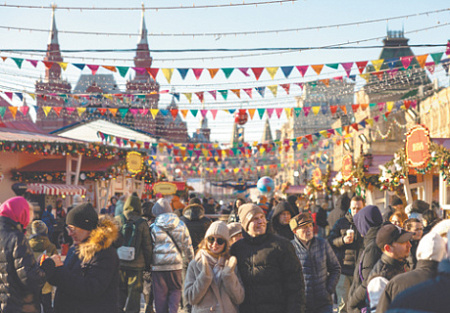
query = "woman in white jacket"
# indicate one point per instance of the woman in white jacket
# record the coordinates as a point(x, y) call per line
point(212, 283)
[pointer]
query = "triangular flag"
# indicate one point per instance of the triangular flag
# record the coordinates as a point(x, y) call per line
point(326, 82)
point(123, 112)
point(227, 71)
point(9, 95)
point(269, 112)
point(378, 74)
point(377, 64)
point(214, 113)
point(113, 111)
point(213, 93)
point(47, 109)
point(184, 113)
point(257, 71)
point(261, 90)
point(306, 111)
point(183, 72)
point(33, 62)
point(288, 111)
point(361, 66)
point(213, 72)
point(123, 70)
point(333, 65)
point(355, 107)
point(261, 113)
point(316, 109)
point(365, 76)
point(13, 111)
point(251, 112)
point(302, 69)
point(343, 108)
point(421, 59)
point(392, 62)
point(80, 111)
point(430, 66)
point(437, 57)
point(24, 109)
point(248, 91)
point(80, 66)
point(392, 73)
point(347, 67)
point(188, 96)
point(244, 71)
point(143, 112)
point(110, 68)
point(203, 112)
point(333, 109)
point(279, 111)
point(194, 113)
point(224, 93)
point(93, 68)
point(286, 87)
point(406, 61)
point(167, 73)
point(154, 113)
point(317, 68)
point(273, 89)
point(272, 71)
point(364, 106)
point(18, 62)
point(237, 92)
point(287, 70)
point(197, 72)
point(200, 96)
point(174, 113)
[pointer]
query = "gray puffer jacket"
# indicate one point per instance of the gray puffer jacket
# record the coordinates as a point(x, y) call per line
point(165, 253)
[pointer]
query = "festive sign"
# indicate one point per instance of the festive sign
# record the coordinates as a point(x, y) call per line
point(165, 188)
point(317, 178)
point(347, 167)
point(417, 146)
point(135, 161)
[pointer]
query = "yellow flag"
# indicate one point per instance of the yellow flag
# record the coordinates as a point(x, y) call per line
point(315, 109)
point(273, 89)
point(167, 73)
point(63, 65)
point(365, 76)
point(288, 111)
point(324, 134)
point(108, 96)
point(272, 71)
point(188, 96)
point(377, 64)
point(32, 95)
point(390, 105)
point(81, 111)
point(369, 121)
point(113, 111)
point(154, 112)
point(13, 111)
point(184, 112)
point(46, 109)
point(251, 112)
point(236, 170)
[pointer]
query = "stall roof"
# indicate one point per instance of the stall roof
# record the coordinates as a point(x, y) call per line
point(8, 134)
point(56, 189)
point(59, 165)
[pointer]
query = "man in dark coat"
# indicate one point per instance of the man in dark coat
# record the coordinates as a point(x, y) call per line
point(430, 252)
point(279, 223)
point(415, 226)
point(321, 268)
point(367, 221)
point(196, 221)
point(234, 214)
point(396, 205)
point(269, 269)
point(346, 243)
point(340, 209)
point(88, 281)
point(21, 279)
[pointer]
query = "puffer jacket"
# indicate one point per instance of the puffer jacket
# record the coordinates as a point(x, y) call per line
point(88, 282)
point(21, 279)
point(347, 254)
point(165, 254)
point(40, 244)
point(282, 230)
point(271, 274)
point(196, 222)
point(321, 271)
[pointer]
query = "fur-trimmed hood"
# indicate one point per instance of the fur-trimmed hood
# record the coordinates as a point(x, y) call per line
point(100, 239)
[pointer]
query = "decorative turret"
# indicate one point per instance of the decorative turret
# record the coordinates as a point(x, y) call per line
point(267, 134)
point(53, 52)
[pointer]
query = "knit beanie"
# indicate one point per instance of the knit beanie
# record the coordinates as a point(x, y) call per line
point(234, 228)
point(83, 216)
point(246, 213)
point(431, 248)
point(419, 206)
point(396, 201)
point(38, 227)
point(367, 217)
point(132, 205)
point(218, 228)
point(161, 206)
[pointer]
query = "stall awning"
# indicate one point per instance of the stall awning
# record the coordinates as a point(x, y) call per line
point(56, 189)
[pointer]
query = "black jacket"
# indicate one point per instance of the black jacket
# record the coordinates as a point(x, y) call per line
point(429, 296)
point(367, 259)
point(271, 274)
point(282, 230)
point(339, 211)
point(347, 254)
point(88, 282)
point(196, 222)
point(425, 270)
point(21, 279)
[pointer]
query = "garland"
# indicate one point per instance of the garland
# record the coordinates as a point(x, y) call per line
point(360, 170)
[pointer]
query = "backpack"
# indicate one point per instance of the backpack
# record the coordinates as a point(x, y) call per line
point(129, 250)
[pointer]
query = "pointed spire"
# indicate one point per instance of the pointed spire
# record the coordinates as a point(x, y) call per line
point(267, 134)
point(143, 32)
point(53, 37)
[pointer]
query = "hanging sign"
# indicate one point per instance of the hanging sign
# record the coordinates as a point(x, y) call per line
point(135, 162)
point(317, 178)
point(417, 146)
point(165, 188)
point(347, 167)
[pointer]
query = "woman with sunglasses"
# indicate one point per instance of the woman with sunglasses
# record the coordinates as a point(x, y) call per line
point(212, 283)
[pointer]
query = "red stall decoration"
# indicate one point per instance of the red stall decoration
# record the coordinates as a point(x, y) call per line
point(417, 146)
point(241, 117)
point(347, 167)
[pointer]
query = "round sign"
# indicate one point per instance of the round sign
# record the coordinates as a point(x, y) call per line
point(347, 167)
point(317, 178)
point(417, 146)
point(135, 161)
point(241, 117)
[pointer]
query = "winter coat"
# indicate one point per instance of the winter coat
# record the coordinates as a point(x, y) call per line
point(429, 296)
point(282, 230)
point(321, 271)
point(425, 270)
point(196, 222)
point(205, 294)
point(88, 282)
point(412, 258)
point(271, 274)
point(21, 279)
point(234, 216)
point(321, 218)
point(366, 261)
point(49, 220)
point(39, 244)
point(165, 253)
point(341, 208)
point(347, 254)
point(292, 200)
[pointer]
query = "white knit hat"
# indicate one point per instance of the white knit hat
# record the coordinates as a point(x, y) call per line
point(161, 206)
point(431, 247)
point(218, 228)
point(234, 228)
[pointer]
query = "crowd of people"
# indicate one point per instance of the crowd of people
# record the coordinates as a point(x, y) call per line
point(269, 256)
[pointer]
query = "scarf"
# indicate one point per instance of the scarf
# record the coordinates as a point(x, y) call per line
point(216, 264)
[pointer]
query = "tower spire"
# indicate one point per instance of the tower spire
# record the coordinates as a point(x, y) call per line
point(143, 32)
point(53, 37)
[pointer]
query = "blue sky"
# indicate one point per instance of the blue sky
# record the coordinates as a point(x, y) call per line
point(298, 14)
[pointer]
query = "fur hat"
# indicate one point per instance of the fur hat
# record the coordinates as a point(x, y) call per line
point(38, 227)
point(161, 206)
point(246, 213)
point(300, 220)
point(431, 247)
point(218, 228)
point(83, 216)
point(234, 228)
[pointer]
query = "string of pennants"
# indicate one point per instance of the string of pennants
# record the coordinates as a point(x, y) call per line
point(289, 111)
point(213, 151)
point(246, 71)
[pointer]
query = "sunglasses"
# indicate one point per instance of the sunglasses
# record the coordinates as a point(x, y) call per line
point(219, 241)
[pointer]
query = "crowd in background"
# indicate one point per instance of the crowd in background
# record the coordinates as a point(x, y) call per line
point(274, 255)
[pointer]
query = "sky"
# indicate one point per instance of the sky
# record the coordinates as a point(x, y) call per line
point(314, 20)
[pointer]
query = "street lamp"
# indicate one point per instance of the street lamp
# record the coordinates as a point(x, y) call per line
point(296, 176)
